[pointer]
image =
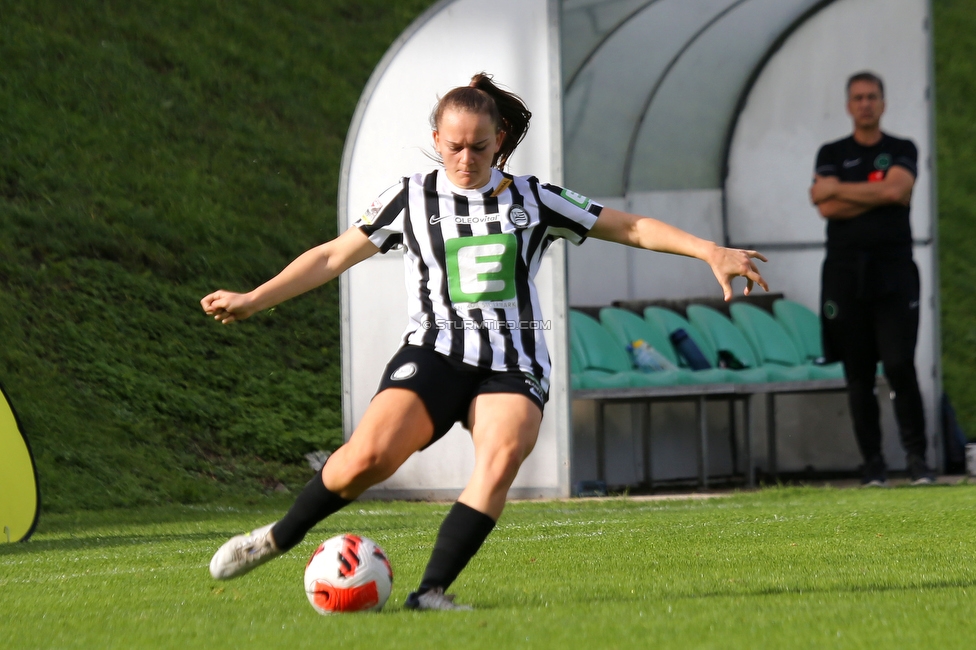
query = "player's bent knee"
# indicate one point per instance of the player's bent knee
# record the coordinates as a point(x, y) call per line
point(504, 463)
point(364, 465)
point(375, 463)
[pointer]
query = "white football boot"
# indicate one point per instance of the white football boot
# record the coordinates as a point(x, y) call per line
point(242, 553)
point(434, 599)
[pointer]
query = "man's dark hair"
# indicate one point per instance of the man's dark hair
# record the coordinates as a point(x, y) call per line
point(865, 76)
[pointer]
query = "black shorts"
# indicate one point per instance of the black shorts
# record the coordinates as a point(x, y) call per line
point(447, 387)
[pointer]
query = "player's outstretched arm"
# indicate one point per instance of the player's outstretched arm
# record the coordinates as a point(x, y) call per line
point(311, 269)
point(651, 234)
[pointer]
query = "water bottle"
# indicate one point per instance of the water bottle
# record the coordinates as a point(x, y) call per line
point(688, 349)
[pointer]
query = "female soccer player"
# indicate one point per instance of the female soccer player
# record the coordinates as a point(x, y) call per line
point(473, 237)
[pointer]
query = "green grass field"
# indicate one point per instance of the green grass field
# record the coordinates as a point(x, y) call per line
point(788, 568)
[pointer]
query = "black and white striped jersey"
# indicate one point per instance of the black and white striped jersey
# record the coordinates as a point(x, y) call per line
point(471, 257)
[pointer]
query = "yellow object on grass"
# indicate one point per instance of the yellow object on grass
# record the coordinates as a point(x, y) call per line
point(19, 494)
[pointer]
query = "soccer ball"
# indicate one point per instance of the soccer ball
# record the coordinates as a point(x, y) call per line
point(348, 573)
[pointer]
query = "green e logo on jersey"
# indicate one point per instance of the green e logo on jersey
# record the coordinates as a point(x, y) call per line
point(481, 268)
point(578, 200)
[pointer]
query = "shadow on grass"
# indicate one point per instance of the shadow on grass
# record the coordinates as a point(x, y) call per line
point(934, 585)
point(87, 539)
point(753, 593)
point(83, 521)
point(106, 541)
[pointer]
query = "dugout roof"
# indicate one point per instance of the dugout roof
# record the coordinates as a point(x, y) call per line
point(652, 87)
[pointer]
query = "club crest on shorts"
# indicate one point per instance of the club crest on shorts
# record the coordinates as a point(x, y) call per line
point(518, 216)
point(406, 371)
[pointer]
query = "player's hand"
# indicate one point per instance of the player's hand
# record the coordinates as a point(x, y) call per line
point(823, 189)
point(227, 306)
point(728, 263)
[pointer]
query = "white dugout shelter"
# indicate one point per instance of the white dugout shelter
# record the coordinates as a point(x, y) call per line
point(706, 114)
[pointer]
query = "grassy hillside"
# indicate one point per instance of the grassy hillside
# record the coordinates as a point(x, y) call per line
point(150, 153)
point(955, 72)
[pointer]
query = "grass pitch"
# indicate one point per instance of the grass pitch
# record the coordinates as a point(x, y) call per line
point(791, 568)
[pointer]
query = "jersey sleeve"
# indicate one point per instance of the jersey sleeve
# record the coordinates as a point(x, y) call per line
point(383, 220)
point(827, 162)
point(569, 215)
point(906, 155)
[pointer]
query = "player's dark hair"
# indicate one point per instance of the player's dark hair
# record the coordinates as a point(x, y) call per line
point(507, 112)
point(865, 76)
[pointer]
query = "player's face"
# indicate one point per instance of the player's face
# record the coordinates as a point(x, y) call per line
point(467, 142)
point(865, 104)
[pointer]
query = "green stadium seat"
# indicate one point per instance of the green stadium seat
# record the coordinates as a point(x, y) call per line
point(575, 368)
point(627, 327)
point(773, 344)
point(767, 337)
point(604, 363)
point(587, 374)
point(726, 336)
point(803, 326)
point(670, 321)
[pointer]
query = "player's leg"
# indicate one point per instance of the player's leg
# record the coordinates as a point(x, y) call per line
point(395, 425)
point(897, 334)
point(504, 428)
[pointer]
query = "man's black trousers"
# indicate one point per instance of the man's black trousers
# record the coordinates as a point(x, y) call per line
point(869, 312)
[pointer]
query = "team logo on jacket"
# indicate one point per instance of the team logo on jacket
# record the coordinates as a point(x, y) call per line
point(406, 371)
point(883, 161)
point(518, 216)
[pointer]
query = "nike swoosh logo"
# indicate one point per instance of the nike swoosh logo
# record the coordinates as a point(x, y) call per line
point(434, 219)
point(851, 163)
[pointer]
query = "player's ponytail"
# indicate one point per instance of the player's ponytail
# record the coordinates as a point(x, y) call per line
point(507, 111)
point(513, 113)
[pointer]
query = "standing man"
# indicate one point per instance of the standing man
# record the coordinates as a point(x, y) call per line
point(870, 285)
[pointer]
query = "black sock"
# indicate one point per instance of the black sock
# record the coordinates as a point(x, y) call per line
point(461, 535)
point(314, 503)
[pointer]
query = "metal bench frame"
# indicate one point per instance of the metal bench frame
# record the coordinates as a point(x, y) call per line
point(701, 393)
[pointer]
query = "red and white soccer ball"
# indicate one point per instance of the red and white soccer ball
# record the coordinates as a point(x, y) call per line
point(348, 573)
